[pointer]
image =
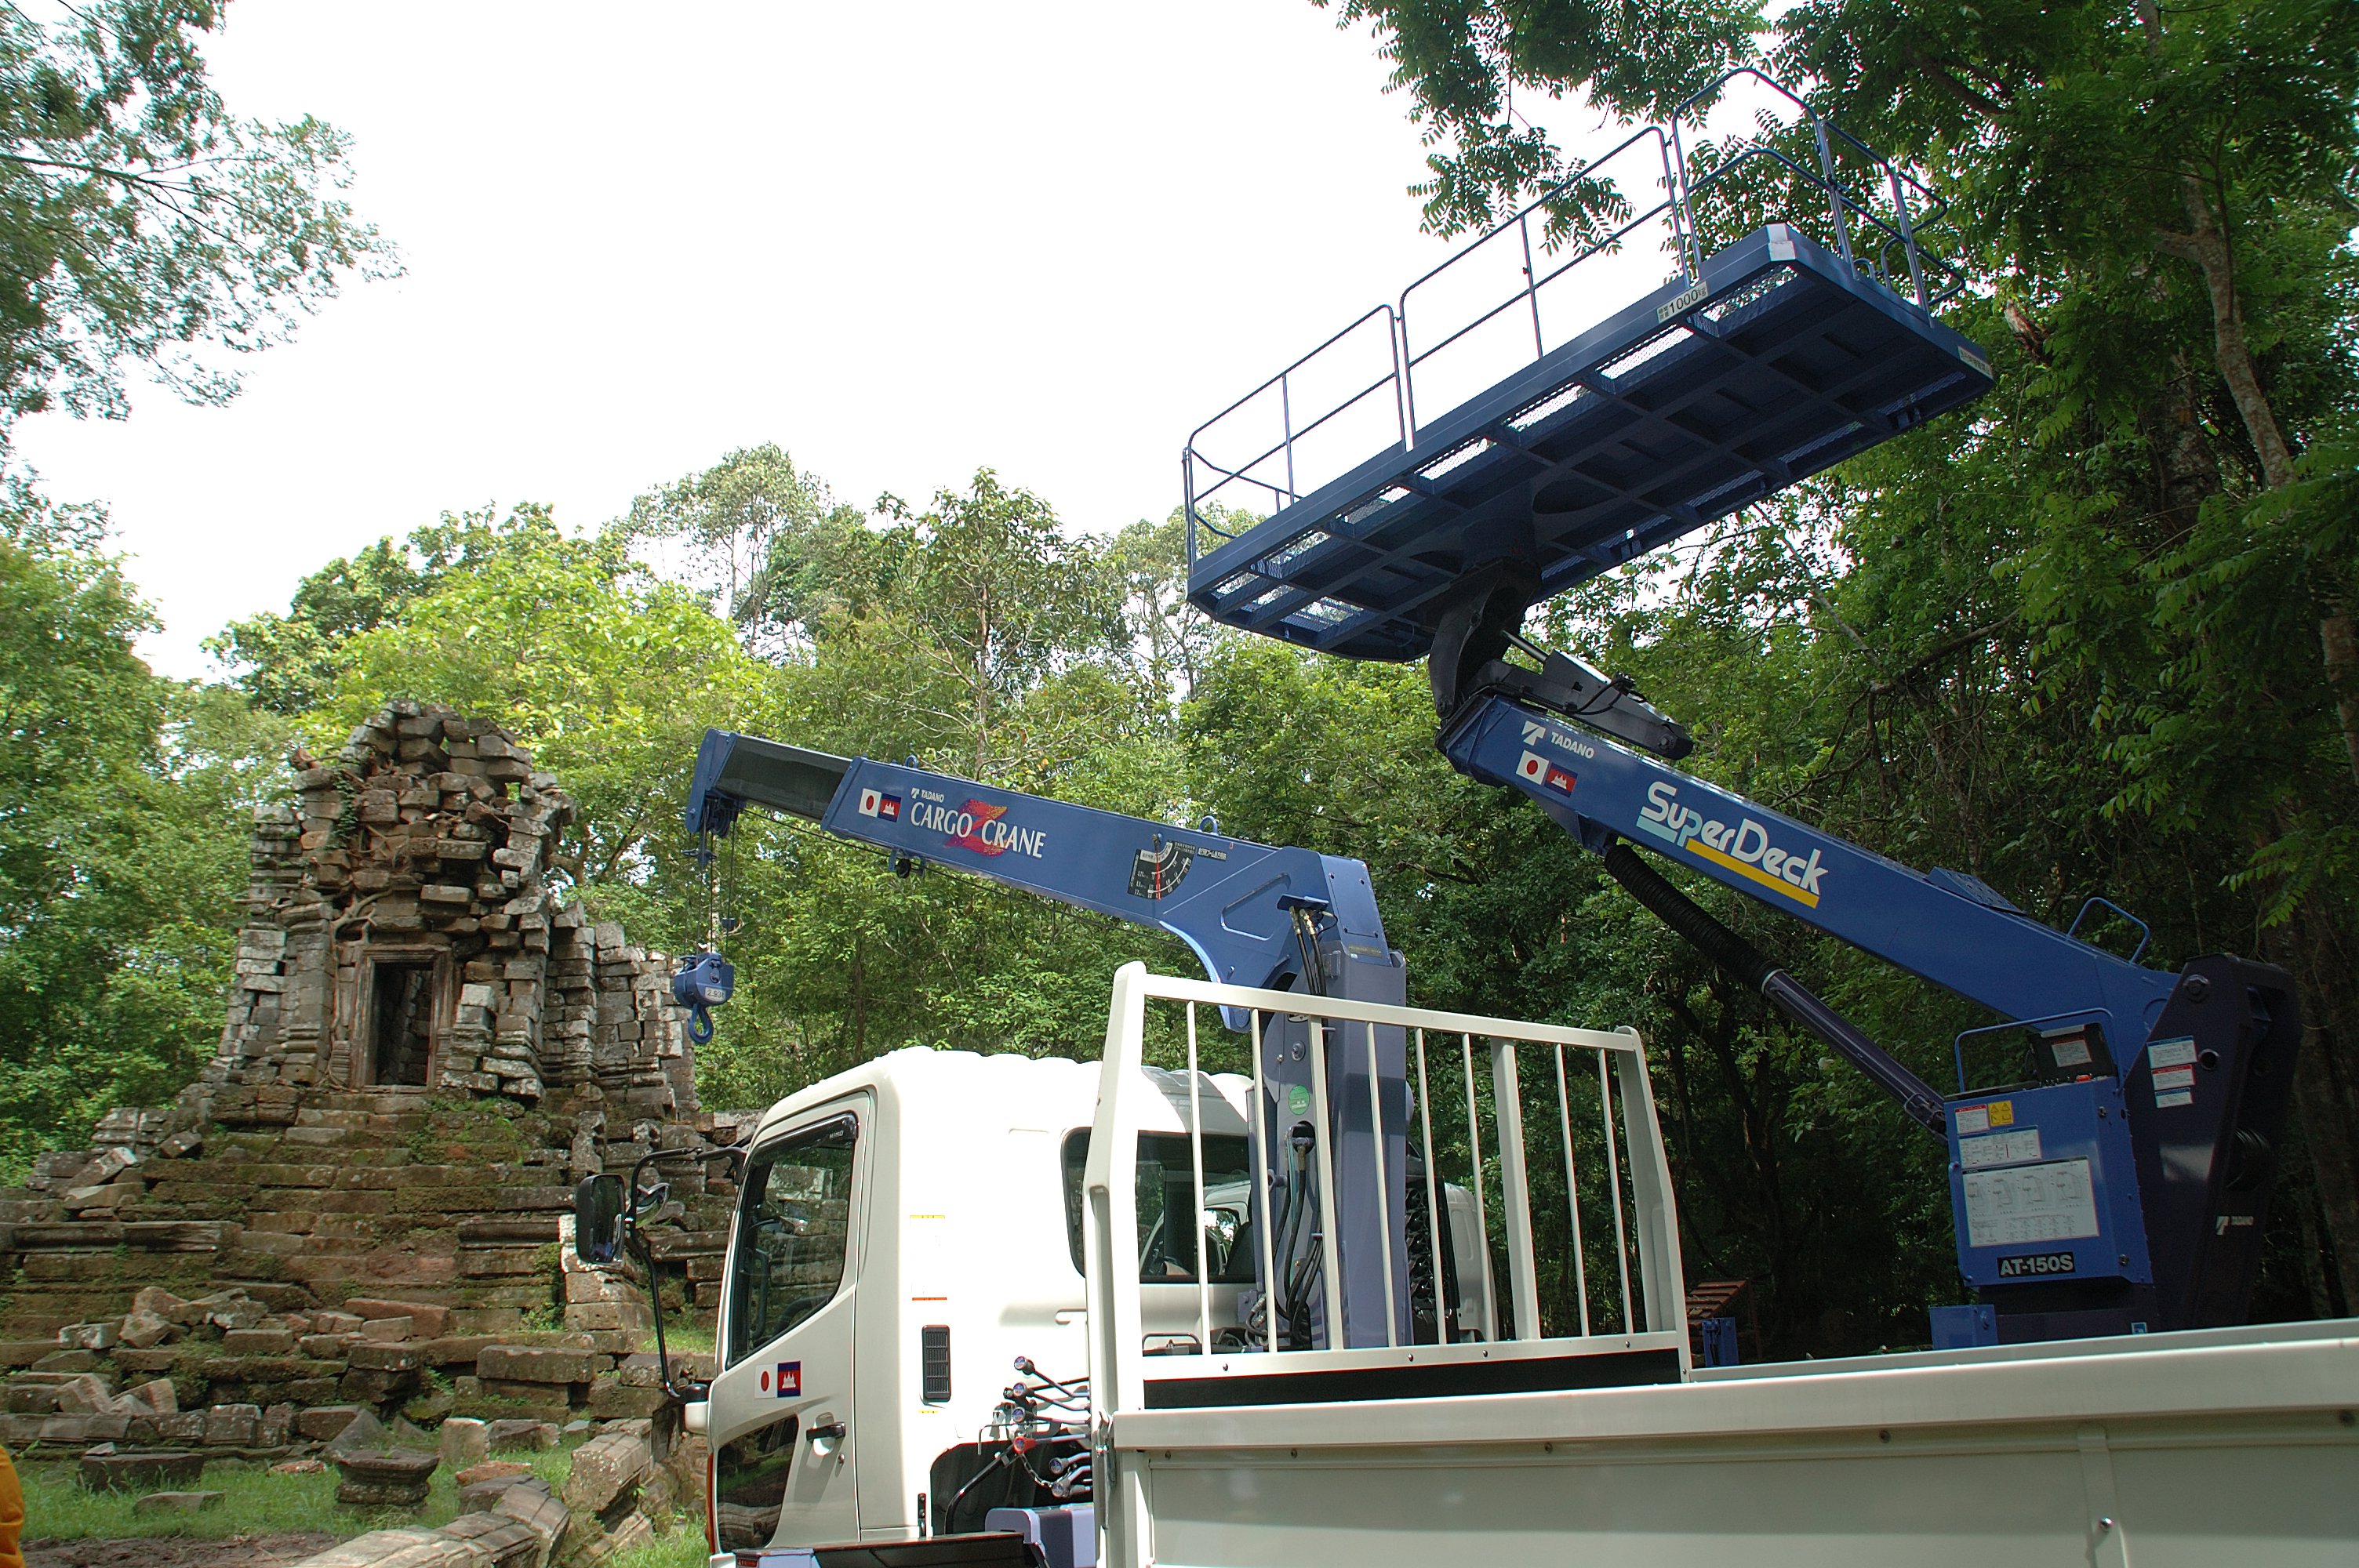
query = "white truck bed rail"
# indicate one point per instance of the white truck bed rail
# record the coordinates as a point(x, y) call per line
point(1624, 1322)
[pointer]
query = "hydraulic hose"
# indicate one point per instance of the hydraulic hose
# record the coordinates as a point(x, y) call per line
point(1747, 965)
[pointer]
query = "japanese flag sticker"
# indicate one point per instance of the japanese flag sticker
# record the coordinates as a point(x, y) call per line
point(1533, 767)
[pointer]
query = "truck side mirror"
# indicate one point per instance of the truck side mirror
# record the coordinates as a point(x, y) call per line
point(598, 1220)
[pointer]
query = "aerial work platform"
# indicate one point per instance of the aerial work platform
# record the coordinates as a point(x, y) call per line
point(1769, 359)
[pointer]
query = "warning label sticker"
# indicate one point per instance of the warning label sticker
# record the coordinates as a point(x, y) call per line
point(2030, 1203)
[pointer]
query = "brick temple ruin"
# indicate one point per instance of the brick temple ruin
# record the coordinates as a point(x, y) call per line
point(360, 1201)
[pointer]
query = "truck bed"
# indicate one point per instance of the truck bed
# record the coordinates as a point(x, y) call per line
point(2217, 1446)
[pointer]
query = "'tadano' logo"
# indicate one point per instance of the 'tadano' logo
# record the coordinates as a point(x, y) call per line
point(1744, 848)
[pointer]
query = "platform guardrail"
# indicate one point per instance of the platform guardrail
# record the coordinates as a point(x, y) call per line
point(1335, 406)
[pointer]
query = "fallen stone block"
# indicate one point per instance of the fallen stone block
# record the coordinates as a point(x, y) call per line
point(89, 1337)
point(481, 1494)
point(234, 1426)
point(177, 1502)
point(367, 1356)
point(539, 1364)
point(324, 1423)
point(326, 1321)
point(398, 1549)
point(507, 1436)
point(530, 1500)
point(509, 1542)
point(629, 1533)
point(224, 1310)
point(362, 1432)
point(82, 1394)
point(463, 1441)
point(103, 1471)
point(426, 1320)
point(259, 1341)
point(387, 1330)
point(605, 1469)
point(157, 1395)
point(298, 1468)
point(72, 1429)
point(609, 1400)
point(188, 1426)
point(146, 1330)
point(394, 1477)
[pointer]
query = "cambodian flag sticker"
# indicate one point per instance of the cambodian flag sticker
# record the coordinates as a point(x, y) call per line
point(788, 1384)
point(877, 802)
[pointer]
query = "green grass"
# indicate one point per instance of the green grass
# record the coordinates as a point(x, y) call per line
point(679, 1338)
point(683, 1548)
point(255, 1502)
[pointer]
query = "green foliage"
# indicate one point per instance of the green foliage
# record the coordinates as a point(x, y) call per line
point(778, 554)
point(125, 803)
point(982, 639)
point(138, 219)
point(289, 661)
point(608, 673)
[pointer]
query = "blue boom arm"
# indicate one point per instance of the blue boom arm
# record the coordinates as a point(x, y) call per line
point(1944, 926)
point(1253, 916)
point(1238, 905)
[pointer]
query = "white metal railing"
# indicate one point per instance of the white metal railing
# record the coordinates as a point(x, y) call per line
point(1661, 199)
point(1629, 1197)
point(1647, 1312)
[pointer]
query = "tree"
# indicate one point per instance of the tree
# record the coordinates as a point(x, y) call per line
point(139, 221)
point(606, 672)
point(286, 662)
point(776, 552)
point(125, 806)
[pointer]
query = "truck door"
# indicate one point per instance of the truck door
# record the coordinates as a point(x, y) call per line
point(781, 1413)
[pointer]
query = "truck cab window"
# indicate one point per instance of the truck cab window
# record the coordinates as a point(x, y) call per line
point(794, 1230)
point(1166, 1199)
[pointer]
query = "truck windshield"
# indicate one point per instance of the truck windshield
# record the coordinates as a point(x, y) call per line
point(1167, 1197)
point(794, 1228)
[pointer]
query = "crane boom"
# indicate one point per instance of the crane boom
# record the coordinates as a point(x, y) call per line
point(1280, 919)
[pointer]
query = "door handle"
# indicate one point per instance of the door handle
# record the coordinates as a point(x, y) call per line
point(831, 1432)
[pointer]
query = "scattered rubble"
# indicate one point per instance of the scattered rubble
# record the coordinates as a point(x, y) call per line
point(348, 1243)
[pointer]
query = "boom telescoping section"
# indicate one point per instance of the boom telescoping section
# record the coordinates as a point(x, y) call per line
point(2109, 1172)
point(1278, 919)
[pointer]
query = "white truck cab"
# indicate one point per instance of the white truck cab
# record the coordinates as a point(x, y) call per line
point(905, 1232)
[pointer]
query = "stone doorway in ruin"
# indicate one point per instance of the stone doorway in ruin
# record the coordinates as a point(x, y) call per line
point(405, 1000)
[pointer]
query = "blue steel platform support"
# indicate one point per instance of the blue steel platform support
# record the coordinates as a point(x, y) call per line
point(2121, 1182)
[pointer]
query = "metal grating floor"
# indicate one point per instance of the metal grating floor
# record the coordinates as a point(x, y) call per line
point(1689, 404)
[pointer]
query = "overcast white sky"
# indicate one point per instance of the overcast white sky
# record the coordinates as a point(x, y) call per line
point(902, 241)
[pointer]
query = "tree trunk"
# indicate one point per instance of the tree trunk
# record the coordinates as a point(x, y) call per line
point(2206, 245)
point(2339, 642)
point(2315, 947)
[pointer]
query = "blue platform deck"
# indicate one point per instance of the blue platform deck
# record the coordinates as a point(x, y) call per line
point(1691, 404)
